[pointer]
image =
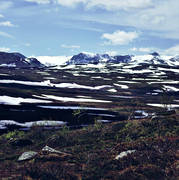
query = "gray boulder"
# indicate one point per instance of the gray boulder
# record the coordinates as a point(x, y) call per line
point(27, 155)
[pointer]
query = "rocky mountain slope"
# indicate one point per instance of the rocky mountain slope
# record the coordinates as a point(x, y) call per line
point(18, 60)
point(87, 58)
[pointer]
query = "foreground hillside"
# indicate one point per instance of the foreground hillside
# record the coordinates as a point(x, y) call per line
point(134, 149)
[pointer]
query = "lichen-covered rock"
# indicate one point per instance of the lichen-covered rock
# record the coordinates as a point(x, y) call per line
point(27, 155)
point(51, 150)
point(48, 153)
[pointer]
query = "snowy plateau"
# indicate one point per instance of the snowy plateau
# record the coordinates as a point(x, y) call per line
point(79, 89)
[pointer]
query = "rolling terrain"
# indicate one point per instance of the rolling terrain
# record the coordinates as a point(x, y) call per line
point(93, 117)
point(86, 88)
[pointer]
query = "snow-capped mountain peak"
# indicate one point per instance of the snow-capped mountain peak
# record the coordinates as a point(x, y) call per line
point(84, 58)
point(153, 58)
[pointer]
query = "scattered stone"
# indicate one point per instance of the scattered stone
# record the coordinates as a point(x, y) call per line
point(124, 153)
point(27, 155)
point(50, 154)
point(47, 153)
point(50, 150)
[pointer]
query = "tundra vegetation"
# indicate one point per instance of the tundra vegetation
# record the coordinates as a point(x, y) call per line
point(93, 149)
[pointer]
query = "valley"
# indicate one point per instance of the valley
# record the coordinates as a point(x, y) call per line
point(89, 121)
point(52, 93)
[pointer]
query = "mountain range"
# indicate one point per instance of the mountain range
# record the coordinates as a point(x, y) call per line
point(153, 58)
point(89, 58)
point(21, 61)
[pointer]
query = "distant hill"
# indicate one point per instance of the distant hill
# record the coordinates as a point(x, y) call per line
point(18, 60)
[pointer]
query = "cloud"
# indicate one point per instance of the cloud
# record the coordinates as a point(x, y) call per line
point(162, 19)
point(70, 3)
point(1, 16)
point(7, 23)
point(27, 44)
point(151, 18)
point(172, 50)
point(112, 53)
point(120, 37)
point(5, 5)
point(141, 49)
point(106, 4)
point(90, 29)
point(39, 1)
point(119, 4)
point(159, 18)
point(4, 49)
point(103, 4)
point(4, 34)
point(79, 24)
point(70, 46)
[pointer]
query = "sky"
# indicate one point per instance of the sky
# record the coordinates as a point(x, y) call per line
point(68, 27)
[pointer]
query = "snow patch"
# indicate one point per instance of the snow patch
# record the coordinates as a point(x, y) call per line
point(168, 106)
point(72, 107)
point(68, 99)
point(5, 123)
point(8, 65)
point(122, 86)
point(18, 100)
point(61, 85)
point(53, 60)
point(171, 88)
point(112, 90)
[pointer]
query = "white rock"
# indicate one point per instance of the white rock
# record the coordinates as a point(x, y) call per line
point(27, 155)
point(124, 153)
point(49, 149)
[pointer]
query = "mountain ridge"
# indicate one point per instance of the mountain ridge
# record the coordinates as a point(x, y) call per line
point(19, 60)
point(153, 58)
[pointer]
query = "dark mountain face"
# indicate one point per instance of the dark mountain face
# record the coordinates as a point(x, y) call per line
point(83, 58)
point(18, 60)
point(122, 59)
point(34, 62)
point(20, 55)
point(175, 59)
point(155, 54)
